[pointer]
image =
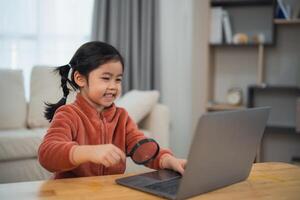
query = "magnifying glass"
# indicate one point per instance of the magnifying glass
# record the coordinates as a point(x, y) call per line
point(144, 151)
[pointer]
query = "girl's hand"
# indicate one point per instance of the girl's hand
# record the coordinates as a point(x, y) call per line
point(170, 162)
point(107, 155)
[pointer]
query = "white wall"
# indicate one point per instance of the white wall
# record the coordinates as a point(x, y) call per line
point(181, 67)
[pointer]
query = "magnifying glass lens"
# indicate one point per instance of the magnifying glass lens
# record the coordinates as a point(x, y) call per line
point(144, 151)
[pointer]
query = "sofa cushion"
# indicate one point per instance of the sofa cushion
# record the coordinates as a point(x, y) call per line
point(22, 170)
point(13, 103)
point(44, 87)
point(20, 143)
point(138, 103)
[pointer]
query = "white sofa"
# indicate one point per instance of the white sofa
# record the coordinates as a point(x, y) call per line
point(22, 125)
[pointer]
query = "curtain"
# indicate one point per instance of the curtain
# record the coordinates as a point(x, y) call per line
point(132, 27)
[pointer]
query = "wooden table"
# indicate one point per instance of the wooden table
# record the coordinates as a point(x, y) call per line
point(266, 181)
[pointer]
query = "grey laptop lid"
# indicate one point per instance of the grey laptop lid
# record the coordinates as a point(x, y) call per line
point(223, 150)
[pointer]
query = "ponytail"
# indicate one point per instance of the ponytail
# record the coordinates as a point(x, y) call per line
point(51, 108)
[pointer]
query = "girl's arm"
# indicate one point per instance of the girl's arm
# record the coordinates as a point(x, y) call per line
point(165, 158)
point(133, 135)
point(55, 148)
point(105, 154)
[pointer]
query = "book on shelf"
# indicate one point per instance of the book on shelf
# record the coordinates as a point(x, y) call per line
point(227, 27)
point(283, 11)
point(216, 25)
point(220, 26)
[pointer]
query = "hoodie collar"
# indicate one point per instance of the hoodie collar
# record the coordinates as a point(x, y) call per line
point(107, 113)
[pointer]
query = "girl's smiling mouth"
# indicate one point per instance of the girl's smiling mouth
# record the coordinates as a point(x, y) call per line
point(109, 95)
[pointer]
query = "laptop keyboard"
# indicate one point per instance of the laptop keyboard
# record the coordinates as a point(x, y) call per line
point(170, 186)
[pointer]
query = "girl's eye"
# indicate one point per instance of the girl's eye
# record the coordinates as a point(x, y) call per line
point(105, 78)
point(119, 80)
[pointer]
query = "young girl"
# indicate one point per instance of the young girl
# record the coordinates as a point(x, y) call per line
point(89, 136)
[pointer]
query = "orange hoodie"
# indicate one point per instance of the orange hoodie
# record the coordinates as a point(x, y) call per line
point(80, 124)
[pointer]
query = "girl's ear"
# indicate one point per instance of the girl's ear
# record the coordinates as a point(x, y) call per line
point(79, 79)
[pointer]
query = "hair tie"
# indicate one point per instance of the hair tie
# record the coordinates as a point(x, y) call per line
point(69, 65)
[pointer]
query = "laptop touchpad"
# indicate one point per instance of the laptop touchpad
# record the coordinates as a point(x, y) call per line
point(151, 178)
point(162, 175)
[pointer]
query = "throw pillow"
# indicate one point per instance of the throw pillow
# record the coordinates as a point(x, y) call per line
point(13, 107)
point(138, 103)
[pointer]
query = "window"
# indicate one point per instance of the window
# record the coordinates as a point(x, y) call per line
point(47, 32)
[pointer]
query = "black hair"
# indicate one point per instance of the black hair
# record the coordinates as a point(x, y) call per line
point(88, 57)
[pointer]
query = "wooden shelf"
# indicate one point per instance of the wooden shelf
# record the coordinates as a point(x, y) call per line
point(240, 45)
point(280, 89)
point(296, 160)
point(234, 45)
point(287, 22)
point(276, 129)
point(223, 107)
point(276, 87)
point(225, 3)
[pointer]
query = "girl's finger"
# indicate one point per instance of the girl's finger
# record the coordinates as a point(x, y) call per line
point(120, 153)
point(105, 163)
point(183, 162)
point(177, 166)
point(115, 156)
point(180, 169)
point(111, 160)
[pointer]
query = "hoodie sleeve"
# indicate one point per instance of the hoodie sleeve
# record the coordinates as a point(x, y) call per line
point(53, 153)
point(133, 135)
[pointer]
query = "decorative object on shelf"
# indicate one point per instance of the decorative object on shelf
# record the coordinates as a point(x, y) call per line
point(240, 38)
point(235, 96)
point(258, 38)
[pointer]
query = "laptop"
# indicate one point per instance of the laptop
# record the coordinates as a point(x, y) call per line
point(223, 149)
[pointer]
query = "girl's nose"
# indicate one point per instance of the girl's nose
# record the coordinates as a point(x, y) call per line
point(112, 85)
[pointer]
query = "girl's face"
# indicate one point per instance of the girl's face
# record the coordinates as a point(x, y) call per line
point(103, 85)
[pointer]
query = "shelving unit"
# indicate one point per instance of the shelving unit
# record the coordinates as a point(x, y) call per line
point(278, 88)
point(281, 90)
point(268, 72)
point(292, 91)
point(212, 103)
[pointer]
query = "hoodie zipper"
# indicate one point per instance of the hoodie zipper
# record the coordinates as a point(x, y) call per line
point(102, 122)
